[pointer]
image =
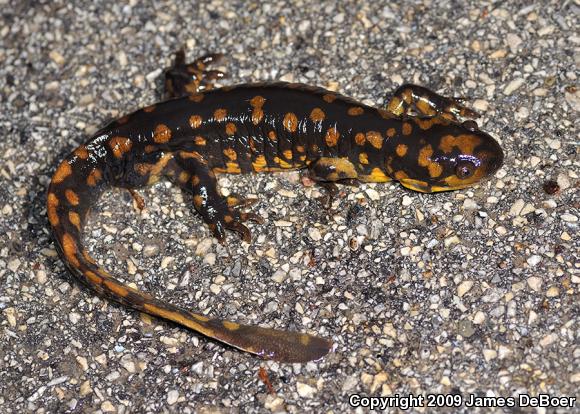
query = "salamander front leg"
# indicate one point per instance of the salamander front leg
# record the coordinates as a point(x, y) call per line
point(189, 78)
point(328, 171)
point(410, 98)
point(192, 173)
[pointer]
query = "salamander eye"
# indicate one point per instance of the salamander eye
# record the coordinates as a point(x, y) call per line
point(464, 169)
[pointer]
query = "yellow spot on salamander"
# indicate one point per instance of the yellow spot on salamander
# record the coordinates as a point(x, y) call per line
point(257, 115)
point(391, 132)
point(231, 326)
point(120, 145)
point(375, 139)
point(71, 197)
point(69, 247)
point(332, 136)
point(75, 219)
point(360, 138)
point(363, 158)
point(272, 136)
point(407, 128)
point(259, 163)
point(52, 204)
point(62, 172)
point(199, 140)
point(329, 97)
point(82, 152)
point(195, 121)
point(425, 154)
point(378, 176)
point(116, 288)
point(290, 122)
point(401, 150)
point(220, 114)
point(355, 111)
point(231, 128)
point(162, 134)
point(465, 143)
point(317, 115)
point(233, 168)
point(93, 278)
point(287, 154)
point(230, 153)
point(94, 177)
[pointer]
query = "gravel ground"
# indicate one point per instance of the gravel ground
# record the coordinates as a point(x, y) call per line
point(473, 292)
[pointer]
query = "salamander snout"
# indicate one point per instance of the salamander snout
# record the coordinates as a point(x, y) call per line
point(451, 158)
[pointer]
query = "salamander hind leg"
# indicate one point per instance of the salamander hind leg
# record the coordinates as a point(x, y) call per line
point(192, 173)
point(188, 78)
point(410, 98)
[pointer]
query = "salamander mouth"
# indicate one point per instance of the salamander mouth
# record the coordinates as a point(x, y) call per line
point(423, 187)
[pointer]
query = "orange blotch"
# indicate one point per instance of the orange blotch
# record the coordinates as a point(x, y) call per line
point(425, 154)
point(401, 150)
point(150, 148)
point(75, 219)
point(116, 288)
point(257, 116)
point(230, 153)
point(272, 136)
point(259, 163)
point(69, 247)
point(465, 142)
point(195, 121)
point(62, 172)
point(94, 177)
point(220, 114)
point(82, 152)
point(355, 111)
point(52, 204)
point(329, 97)
point(287, 154)
point(149, 108)
point(93, 278)
point(375, 139)
point(360, 138)
point(435, 169)
point(300, 148)
point(231, 128)
point(199, 140)
point(257, 101)
point(162, 134)
point(72, 197)
point(407, 128)
point(331, 137)
point(120, 145)
point(391, 132)
point(317, 115)
point(290, 122)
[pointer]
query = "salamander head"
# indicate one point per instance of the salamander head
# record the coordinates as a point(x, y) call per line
point(447, 157)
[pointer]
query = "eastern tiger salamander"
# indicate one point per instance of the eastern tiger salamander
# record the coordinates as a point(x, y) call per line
point(202, 131)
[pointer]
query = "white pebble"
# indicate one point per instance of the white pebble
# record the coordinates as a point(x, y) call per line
point(305, 390)
point(533, 260)
point(513, 86)
point(464, 287)
point(172, 397)
point(535, 283)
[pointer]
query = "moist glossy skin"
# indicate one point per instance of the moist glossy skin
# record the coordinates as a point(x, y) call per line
point(416, 140)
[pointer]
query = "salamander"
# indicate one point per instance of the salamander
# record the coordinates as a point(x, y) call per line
point(201, 130)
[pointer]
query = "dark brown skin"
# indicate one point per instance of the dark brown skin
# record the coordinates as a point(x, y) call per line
point(417, 141)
